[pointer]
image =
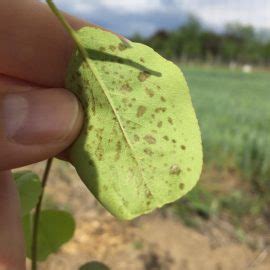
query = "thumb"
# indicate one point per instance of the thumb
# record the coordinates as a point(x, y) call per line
point(36, 124)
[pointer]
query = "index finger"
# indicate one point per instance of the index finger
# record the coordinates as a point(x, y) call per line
point(34, 46)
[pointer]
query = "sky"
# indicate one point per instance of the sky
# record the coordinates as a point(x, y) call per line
point(146, 16)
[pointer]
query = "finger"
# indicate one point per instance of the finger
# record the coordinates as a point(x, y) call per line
point(34, 46)
point(12, 254)
point(9, 84)
point(36, 124)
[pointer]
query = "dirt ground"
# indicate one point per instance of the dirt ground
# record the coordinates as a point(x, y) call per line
point(158, 241)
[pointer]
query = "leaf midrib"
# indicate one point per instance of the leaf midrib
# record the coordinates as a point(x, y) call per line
point(105, 90)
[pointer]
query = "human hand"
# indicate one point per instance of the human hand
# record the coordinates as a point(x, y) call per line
point(38, 117)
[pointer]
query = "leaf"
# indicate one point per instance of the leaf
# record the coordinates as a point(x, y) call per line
point(94, 266)
point(140, 146)
point(29, 188)
point(55, 228)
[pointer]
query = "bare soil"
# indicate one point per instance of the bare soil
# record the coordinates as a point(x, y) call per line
point(158, 241)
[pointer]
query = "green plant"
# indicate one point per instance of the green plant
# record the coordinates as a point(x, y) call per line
point(149, 152)
point(140, 146)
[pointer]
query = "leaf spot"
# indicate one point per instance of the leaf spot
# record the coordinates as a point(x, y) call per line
point(126, 87)
point(181, 186)
point(148, 151)
point(149, 92)
point(174, 169)
point(143, 76)
point(160, 109)
point(159, 124)
point(112, 48)
point(170, 120)
point(166, 138)
point(183, 147)
point(118, 151)
point(141, 111)
point(150, 139)
point(121, 47)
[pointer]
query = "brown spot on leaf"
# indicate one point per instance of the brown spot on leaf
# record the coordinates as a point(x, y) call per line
point(166, 138)
point(148, 151)
point(118, 150)
point(170, 120)
point(142, 60)
point(141, 111)
point(160, 109)
point(174, 169)
point(183, 147)
point(181, 186)
point(143, 76)
point(150, 139)
point(159, 124)
point(121, 47)
point(149, 194)
point(162, 99)
point(173, 140)
point(149, 92)
point(126, 87)
point(112, 48)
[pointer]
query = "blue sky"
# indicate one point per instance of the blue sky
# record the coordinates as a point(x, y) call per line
point(146, 16)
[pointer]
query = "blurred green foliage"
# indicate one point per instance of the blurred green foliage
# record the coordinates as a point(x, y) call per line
point(234, 116)
point(192, 42)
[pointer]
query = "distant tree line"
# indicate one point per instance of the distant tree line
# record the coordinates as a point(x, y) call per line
point(191, 42)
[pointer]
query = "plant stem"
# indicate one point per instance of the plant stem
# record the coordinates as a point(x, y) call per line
point(68, 28)
point(37, 215)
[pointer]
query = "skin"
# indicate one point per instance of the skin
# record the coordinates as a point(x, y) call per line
point(34, 52)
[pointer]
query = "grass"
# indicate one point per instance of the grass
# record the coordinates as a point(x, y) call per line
point(233, 109)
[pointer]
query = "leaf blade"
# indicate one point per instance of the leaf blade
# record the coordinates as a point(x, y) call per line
point(55, 228)
point(29, 188)
point(133, 68)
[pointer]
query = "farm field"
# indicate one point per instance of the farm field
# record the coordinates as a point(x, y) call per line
point(234, 116)
point(224, 219)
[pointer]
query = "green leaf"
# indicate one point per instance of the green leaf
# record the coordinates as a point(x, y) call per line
point(29, 188)
point(55, 228)
point(94, 266)
point(140, 146)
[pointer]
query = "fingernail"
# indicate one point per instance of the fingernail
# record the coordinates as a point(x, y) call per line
point(40, 116)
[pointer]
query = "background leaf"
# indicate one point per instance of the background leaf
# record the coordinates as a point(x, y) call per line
point(29, 188)
point(94, 266)
point(55, 228)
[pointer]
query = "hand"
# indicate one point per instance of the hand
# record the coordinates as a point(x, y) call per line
point(38, 117)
